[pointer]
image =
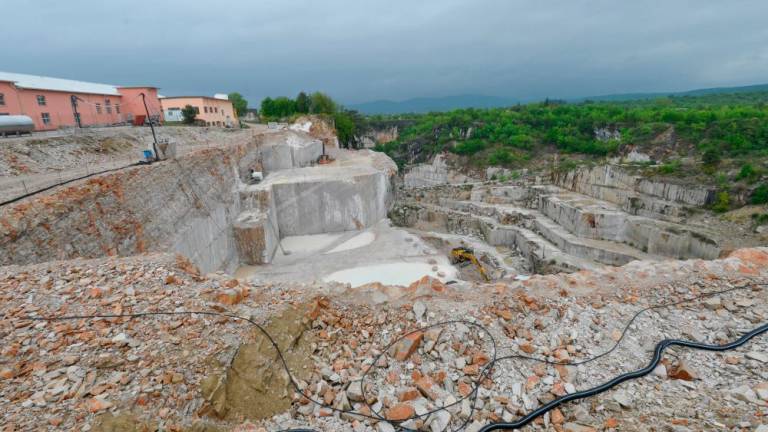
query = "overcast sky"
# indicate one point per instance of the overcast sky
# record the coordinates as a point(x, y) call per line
point(360, 50)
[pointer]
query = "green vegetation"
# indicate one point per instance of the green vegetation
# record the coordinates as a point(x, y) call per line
point(748, 173)
point(722, 202)
point(239, 103)
point(717, 126)
point(348, 123)
point(760, 195)
point(188, 114)
point(670, 167)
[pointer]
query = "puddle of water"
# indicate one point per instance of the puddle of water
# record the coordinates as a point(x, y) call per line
point(390, 274)
point(355, 242)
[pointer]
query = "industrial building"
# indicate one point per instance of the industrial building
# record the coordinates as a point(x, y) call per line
point(212, 111)
point(53, 103)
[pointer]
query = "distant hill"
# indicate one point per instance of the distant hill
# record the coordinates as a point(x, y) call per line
point(447, 103)
point(423, 105)
point(698, 92)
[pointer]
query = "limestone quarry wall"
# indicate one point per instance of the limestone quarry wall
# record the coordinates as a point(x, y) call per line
point(288, 150)
point(332, 205)
point(435, 173)
point(633, 193)
point(185, 205)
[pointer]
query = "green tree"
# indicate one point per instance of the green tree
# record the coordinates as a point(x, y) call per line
point(345, 128)
point(321, 103)
point(302, 103)
point(239, 102)
point(188, 114)
point(278, 108)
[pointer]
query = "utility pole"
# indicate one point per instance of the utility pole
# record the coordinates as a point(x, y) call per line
point(74, 111)
point(151, 126)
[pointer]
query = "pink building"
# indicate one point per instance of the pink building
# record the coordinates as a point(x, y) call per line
point(53, 102)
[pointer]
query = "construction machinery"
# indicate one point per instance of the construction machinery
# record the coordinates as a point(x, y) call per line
point(463, 254)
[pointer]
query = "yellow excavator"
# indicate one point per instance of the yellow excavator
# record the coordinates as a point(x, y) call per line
point(462, 254)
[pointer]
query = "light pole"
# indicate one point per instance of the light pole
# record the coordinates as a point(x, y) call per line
point(151, 126)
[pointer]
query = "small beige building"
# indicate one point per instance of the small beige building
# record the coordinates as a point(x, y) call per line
point(213, 111)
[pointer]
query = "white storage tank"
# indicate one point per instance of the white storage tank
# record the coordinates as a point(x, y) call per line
point(16, 125)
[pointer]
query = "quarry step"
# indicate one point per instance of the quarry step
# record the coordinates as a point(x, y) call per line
point(602, 251)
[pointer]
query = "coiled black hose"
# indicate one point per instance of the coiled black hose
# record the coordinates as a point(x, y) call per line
point(658, 351)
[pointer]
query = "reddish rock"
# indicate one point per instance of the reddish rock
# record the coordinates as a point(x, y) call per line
point(531, 382)
point(427, 285)
point(556, 416)
point(406, 346)
point(472, 369)
point(95, 405)
point(681, 371)
point(464, 389)
point(480, 358)
point(527, 348)
point(401, 411)
point(409, 394)
point(229, 297)
point(427, 387)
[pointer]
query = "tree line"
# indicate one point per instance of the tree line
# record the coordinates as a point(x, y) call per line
point(348, 123)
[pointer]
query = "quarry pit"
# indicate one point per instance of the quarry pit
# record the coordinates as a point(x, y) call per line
point(340, 259)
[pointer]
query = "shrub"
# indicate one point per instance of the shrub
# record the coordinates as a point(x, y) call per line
point(670, 167)
point(469, 147)
point(760, 195)
point(722, 202)
point(747, 172)
point(500, 157)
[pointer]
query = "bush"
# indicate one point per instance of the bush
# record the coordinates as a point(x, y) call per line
point(469, 147)
point(747, 172)
point(760, 195)
point(722, 202)
point(500, 157)
point(670, 167)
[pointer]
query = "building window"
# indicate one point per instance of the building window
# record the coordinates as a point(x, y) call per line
point(117, 108)
point(41, 100)
point(98, 108)
point(216, 109)
point(197, 110)
point(2, 99)
point(46, 118)
point(108, 106)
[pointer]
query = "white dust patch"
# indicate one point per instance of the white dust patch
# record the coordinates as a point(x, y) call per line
point(355, 242)
point(308, 243)
point(390, 274)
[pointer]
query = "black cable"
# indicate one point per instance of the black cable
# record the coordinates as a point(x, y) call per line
point(26, 195)
point(660, 347)
point(658, 351)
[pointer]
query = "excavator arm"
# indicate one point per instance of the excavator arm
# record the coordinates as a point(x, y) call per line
point(463, 255)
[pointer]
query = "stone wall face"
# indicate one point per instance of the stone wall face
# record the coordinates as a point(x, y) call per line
point(185, 205)
point(635, 194)
point(332, 205)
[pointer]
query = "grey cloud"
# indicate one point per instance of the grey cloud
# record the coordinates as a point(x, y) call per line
point(364, 50)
